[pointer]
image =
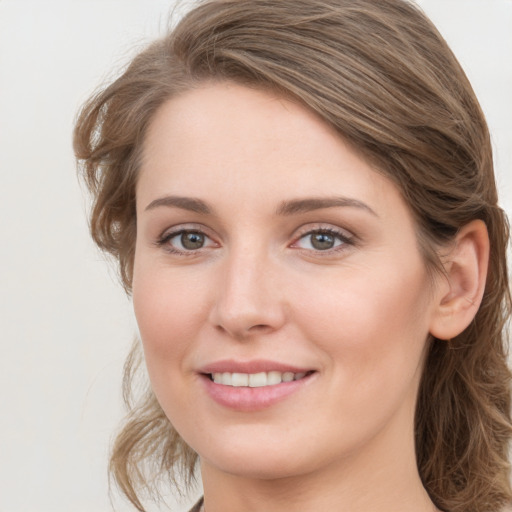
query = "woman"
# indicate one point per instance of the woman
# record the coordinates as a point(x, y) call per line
point(301, 199)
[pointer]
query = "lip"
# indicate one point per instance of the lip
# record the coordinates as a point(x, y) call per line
point(247, 399)
point(253, 366)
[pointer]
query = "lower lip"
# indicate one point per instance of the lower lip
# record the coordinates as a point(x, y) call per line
point(246, 399)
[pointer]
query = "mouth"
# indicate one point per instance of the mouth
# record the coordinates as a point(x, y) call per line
point(256, 380)
point(256, 385)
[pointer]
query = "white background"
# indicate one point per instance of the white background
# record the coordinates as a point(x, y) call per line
point(65, 323)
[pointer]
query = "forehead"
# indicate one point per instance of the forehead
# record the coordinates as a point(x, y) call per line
point(220, 115)
point(229, 141)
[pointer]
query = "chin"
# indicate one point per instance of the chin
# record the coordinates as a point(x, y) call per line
point(261, 467)
point(261, 457)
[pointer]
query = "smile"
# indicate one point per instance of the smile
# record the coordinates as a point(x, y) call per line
point(254, 389)
point(255, 380)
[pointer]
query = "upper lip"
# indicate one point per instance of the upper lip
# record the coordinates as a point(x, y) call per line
point(253, 366)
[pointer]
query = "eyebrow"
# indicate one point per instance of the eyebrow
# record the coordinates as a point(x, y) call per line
point(317, 203)
point(286, 208)
point(185, 203)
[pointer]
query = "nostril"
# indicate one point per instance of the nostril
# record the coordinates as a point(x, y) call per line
point(242, 332)
point(259, 327)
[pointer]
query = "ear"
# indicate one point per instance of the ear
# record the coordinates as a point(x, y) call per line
point(459, 293)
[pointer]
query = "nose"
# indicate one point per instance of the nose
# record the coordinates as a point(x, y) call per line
point(248, 300)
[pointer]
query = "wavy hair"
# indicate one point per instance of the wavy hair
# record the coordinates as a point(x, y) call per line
point(380, 74)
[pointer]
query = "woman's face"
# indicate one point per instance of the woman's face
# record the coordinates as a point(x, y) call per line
point(272, 259)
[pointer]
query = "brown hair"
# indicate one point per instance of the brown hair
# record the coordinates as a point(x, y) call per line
point(384, 78)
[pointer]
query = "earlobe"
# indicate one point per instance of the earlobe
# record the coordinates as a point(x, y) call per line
point(460, 291)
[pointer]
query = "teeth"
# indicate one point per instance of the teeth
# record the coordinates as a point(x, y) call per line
point(255, 380)
point(239, 379)
point(274, 378)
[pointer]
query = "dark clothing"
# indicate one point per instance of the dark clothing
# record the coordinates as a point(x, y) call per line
point(197, 506)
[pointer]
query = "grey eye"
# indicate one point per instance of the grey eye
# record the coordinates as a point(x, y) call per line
point(192, 240)
point(322, 241)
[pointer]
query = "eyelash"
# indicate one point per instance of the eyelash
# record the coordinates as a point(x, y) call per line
point(341, 236)
point(166, 237)
point(346, 240)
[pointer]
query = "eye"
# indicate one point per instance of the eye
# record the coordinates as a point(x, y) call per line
point(189, 240)
point(322, 240)
point(185, 240)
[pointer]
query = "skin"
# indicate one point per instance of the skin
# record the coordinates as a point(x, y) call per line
point(358, 314)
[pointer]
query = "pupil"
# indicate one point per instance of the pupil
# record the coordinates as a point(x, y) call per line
point(322, 241)
point(192, 240)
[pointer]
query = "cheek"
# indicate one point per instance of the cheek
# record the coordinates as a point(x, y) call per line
point(169, 313)
point(169, 309)
point(374, 334)
point(375, 322)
